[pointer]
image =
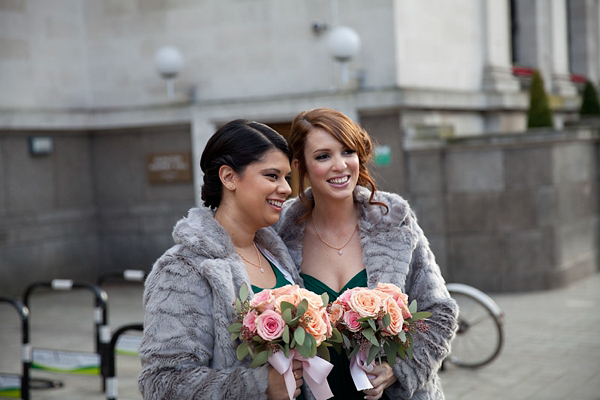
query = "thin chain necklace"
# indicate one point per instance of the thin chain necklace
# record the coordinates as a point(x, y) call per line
point(339, 249)
point(259, 265)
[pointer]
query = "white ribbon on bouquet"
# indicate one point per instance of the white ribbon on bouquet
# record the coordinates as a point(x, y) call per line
point(359, 369)
point(315, 371)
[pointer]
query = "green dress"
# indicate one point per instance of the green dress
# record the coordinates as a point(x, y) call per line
point(281, 281)
point(340, 380)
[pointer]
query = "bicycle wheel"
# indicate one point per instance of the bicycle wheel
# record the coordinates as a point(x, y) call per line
point(480, 336)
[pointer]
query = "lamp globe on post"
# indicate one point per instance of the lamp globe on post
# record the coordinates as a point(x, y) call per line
point(344, 44)
point(169, 62)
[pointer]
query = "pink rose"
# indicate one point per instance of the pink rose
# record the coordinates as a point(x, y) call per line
point(325, 317)
point(263, 300)
point(337, 311)
point(269, 325)
point(351, 321)
point(344, 298)
point(249, 321)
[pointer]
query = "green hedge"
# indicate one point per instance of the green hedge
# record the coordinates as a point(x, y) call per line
point(539, 113)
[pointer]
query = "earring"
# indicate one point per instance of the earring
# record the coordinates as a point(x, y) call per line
point(231, 187)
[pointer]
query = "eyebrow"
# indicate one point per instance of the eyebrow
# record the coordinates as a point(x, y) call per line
point(320, 150)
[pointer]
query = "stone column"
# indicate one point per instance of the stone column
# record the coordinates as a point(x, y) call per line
point(560, 75)
point(497, 73)
point(583, 26)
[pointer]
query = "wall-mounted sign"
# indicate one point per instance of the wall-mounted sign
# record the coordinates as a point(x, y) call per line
point(169, 167)
point(382, 156)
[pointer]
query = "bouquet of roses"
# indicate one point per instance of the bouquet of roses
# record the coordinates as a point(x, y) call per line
point(279, 325)
point(375, 322)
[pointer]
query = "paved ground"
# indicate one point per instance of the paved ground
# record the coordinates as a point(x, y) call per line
point(551, 351)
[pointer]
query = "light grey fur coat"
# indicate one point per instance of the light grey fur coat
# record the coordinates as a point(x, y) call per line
point(395, 250)
point(186, 351)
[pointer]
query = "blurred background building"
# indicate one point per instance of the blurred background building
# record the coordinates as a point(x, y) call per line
point(105, 107)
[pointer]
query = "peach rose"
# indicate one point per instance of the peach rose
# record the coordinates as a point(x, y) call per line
point(269, 325)
point(313, 299)
point(351, 321)
point(391, 289)
point(327, 321)
point(287, 289)
point(396, 318)
point(293, 298)
point(365, 303)
point(263, 300)
point(313, 323)
point(337, 312)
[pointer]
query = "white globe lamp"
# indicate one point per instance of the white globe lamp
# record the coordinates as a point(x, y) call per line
point(344, 44)
point(169, 62)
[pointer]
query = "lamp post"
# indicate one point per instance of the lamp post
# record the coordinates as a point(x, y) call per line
point(169, 62)
point(343, 43)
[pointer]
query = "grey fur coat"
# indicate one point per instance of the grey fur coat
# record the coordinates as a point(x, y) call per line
point(186, 351)
point(395, 250)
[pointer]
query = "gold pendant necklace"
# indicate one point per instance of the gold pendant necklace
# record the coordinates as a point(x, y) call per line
point(259, 265)
point(339, 249)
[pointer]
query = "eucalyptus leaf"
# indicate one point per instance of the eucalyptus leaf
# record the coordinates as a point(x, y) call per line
point(238, 306)
point(287, 315)
point(346, 342)
point(313, 345)
point(242, 351)
point(299, 335)
point(413, 307)
point(409, 352)
point(353, 352)
point(325, 298)
point(336, 336)
point(286, 305)
point(402, 336)
point(302, 307)
point(402, 352)
point(234, 328)
point(373, 351)
point(372, 324)
point(369, 334)
point(260, 359)
point(235, 336)
point(390, 348)
point(421, 315)
point(304, 349)
point(387, 320)
point(323, 352)
point(286, 350)
point(244, 292)
point(286, 334)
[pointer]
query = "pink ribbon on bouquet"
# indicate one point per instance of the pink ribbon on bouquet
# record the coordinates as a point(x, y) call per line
point(359, 369)
point(315, 371)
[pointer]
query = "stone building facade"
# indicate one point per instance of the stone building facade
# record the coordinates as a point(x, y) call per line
point(82, 73)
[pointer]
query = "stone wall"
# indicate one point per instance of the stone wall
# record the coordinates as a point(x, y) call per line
point(87, 208)
point(509, 212)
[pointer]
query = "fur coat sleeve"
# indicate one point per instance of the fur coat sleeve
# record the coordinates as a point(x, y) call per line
point(186, 351)
point(395, 250)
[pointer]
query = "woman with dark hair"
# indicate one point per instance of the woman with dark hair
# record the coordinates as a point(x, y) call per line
point(343, 233)
point(186, 351)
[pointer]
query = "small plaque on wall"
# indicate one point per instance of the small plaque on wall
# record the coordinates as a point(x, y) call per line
point(169, 167)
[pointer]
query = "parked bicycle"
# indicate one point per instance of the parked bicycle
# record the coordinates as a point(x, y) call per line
point(480, 334)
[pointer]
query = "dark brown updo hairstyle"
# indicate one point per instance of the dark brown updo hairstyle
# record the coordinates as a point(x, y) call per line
point(236, 144)
point(346, 131)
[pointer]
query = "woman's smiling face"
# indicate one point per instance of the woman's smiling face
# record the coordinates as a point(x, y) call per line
point(332, 168)
point(262, 188)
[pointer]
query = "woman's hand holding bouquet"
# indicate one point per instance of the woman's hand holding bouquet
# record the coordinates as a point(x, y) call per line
point(375, 322)
point(283, 324)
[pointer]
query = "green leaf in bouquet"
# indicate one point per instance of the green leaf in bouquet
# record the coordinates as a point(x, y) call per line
point(242, 351)
point(304, 349)
point(287, 315)
point(325, 298)
point(372, 324)
point(313, 345)
point(402, 351)
point(365, 324)
point(336, 336)
point(346, 341)
point(234, 328)
point(293, 342)
point(286, 334)
point(299, 335)
point(373, 351)
point(260, 359)
point(286, 350)
point(387, 320)
point(286, 305)
point(235, 336)
point(337, 347)
point(257, 338)
point(409, 351)
point(238, 306)
point(353, 352)
point(420, 315)
point(323, 352)
point(390, 347)
point(302, 307)
point(402, 336)
point(364, 319)
point(413, 307)
point(370, 335)
point(244, 292)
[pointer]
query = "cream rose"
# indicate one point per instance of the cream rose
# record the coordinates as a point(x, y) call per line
point(395, 313)
point(365, 303)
